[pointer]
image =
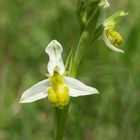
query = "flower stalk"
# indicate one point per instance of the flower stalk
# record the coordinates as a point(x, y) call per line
point(60, 120)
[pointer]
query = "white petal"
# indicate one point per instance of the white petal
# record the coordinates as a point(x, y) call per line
point(36, 92)
point(54, 50)
point(77, 88)
point(106, 4)
point(108, 43)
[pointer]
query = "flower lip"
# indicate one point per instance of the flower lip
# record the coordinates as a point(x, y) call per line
point(109, 44)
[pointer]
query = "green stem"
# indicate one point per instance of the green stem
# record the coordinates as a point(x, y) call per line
point(61, 116)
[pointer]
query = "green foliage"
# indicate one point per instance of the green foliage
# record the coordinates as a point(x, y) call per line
point(26, 27)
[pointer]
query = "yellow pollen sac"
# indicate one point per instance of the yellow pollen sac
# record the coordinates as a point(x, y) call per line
point(58, 92)
point(114, 37)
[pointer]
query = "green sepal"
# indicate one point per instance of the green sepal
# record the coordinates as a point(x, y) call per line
point(111, 21)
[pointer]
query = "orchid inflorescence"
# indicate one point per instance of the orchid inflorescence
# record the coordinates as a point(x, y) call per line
point(61, 83)
point(59, 87)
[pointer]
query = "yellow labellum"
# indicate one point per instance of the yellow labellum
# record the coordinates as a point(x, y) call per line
point(114, 37)
point(58, 92)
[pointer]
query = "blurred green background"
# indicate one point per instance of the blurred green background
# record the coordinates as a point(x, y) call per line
point(26, 27)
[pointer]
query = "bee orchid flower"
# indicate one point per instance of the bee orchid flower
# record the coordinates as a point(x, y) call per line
point(111, 37)
point(58, 88)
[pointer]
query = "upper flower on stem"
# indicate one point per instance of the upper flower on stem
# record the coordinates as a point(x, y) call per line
point(111, 37)
point(58, 87)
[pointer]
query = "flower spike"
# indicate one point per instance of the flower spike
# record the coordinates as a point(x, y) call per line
point(113, 39)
